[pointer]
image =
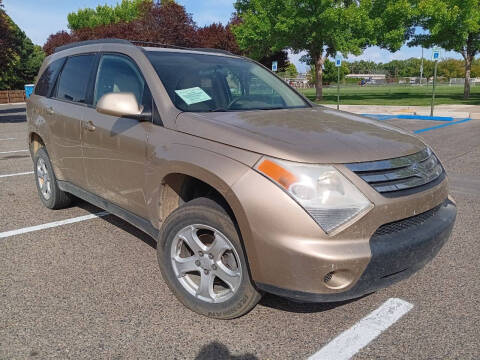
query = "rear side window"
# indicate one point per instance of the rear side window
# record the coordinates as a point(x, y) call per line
point(74, 79)
point(47, 81)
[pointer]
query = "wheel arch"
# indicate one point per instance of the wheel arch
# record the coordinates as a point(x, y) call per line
point(35, 142)
point(180, 186)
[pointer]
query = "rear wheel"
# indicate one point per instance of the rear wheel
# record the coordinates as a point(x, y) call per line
point(203, 263)
point(50, 194)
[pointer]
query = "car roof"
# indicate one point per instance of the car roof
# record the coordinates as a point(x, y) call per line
point(148, 46)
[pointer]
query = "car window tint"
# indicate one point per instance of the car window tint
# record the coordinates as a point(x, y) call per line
point(73, 82)
point(201, 82)
point(118, 74)
point(47, 80)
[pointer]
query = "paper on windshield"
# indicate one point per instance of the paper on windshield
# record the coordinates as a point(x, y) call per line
point(193, 95)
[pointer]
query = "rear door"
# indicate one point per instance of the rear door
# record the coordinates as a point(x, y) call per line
point(115, 147)
point(66, 112)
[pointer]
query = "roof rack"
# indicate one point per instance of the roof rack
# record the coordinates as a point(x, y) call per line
point(155, 44)
point(219, 51)
point(92, 42)
point(138, 43)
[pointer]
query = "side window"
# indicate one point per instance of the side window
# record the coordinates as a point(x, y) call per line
point(47, 81)
point(117, 73)
point(73, 82)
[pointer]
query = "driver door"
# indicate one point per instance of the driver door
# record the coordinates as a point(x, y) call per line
point(115, 147)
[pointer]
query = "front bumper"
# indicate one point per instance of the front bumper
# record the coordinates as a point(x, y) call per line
point(396, 254)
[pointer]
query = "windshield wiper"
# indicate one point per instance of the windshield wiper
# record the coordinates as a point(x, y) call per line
point(273, 108)
point(218, 110)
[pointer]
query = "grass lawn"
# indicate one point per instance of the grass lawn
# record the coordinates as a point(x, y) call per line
point(396, 95)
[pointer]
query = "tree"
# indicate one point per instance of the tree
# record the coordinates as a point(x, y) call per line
point(291, 70)
point(23, 58)
point(451, 68)
point(165, 22)
point(7, 39)
point(55, 40)
point(168, 23)
point(281, 57)
point(476, 68)
point(453, 25)
point(330, 72)
point(217, 36)
point(364, 67)
point(125, 11)
point(322, 28)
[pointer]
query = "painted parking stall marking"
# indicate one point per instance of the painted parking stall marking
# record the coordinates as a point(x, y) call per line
point(351, 341)
point(52, 224)
point(8, 139)
point(448, 121)
point(17, 174)
point(12, 151)
point(442, 126)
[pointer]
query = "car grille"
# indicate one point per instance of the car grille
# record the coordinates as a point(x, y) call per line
point(399, 176)
point(407, 223)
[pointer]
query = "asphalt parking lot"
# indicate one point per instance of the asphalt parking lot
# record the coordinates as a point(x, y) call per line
point(92, 288)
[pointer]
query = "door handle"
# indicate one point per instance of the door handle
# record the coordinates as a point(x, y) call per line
point(89, 125)
point(50, 110)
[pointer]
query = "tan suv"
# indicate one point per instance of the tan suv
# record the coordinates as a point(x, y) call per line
point(246, 185)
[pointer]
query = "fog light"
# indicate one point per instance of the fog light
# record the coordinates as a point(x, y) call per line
point(338, 279)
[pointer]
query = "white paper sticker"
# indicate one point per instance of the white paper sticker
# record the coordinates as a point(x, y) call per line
point(193, 95)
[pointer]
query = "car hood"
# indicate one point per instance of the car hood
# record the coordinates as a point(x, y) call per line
point(312, 135)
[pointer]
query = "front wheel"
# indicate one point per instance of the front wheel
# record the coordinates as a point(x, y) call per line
point(203, 263)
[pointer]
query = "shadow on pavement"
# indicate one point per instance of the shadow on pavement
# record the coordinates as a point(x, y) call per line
point(284, 304)
point(14, 157)
point(116, 221)
point(268, 300)
point(12, 110)
point(13, 119)
point(218, 351)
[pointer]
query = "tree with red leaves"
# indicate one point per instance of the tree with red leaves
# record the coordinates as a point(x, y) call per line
point(56, 40)
point(217, 36)
point(166, 23)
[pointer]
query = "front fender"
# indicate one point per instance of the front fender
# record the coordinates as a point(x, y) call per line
point(216, 170)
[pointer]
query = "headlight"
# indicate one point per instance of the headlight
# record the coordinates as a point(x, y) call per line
point(329, 198)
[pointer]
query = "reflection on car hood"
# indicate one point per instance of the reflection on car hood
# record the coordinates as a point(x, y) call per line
point(313, 135)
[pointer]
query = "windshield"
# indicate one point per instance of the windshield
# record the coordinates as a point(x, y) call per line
point(197, 82)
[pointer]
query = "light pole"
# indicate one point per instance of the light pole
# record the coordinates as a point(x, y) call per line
point(436, 56)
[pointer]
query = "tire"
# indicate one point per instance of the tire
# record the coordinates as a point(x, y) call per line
point(219, 253)
point(50, 194)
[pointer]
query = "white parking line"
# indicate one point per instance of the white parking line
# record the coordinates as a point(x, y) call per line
point(52, 224)
point(17, 174)
point(8, 139)
point(13, 151)
point(348, 343)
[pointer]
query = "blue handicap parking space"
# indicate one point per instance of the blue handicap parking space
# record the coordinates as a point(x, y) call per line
point(447, 120)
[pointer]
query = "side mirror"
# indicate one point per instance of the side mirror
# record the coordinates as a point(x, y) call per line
point(120, 104)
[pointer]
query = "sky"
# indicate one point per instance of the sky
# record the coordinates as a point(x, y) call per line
point(40, 18)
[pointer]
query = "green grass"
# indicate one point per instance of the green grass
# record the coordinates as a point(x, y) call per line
point(396, 95)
